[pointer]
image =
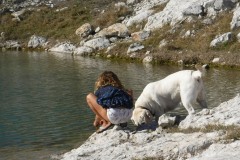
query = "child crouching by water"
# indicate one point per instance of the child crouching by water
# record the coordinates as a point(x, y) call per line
point(111, 102)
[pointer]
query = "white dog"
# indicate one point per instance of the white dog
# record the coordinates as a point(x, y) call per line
point(157, 98)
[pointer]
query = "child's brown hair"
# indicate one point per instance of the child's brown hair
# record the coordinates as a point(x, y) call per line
point(108, 78)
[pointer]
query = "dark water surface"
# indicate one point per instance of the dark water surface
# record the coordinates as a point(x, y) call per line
point(43, 111)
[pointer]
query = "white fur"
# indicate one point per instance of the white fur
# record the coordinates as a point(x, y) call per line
point(164, 95)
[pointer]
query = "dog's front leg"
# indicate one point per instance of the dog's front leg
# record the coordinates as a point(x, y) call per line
point(188, 107)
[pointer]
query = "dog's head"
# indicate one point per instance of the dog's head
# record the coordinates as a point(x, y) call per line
point(141, 116)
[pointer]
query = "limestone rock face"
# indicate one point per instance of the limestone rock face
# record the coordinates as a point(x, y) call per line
point(126, 144)
point(177, 11)
point(227, 113)
point(220, 151)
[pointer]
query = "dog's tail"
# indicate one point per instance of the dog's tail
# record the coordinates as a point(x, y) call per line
point(201, 71)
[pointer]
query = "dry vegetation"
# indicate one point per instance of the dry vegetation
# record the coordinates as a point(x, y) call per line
point(232, 132)
point(61, 25)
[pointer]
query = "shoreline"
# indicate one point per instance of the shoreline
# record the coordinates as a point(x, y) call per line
point(175, 59)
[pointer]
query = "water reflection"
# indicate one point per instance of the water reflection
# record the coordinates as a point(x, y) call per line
point(42, 98)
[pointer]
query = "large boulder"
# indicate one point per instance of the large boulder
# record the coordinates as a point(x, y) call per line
point(115, 30)
point(97, 43)
point(36, 41)
point(63, 47)
point(177, 11)
point(82, 51)
point(84, 31)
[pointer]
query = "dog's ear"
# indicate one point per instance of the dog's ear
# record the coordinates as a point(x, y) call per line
point(202, 69)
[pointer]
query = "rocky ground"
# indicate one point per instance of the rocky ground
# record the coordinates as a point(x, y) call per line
point(162, 31)
point(210, 134)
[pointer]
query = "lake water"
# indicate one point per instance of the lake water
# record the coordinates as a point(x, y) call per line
point(43, 111)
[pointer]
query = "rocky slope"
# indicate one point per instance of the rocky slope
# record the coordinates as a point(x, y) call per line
point(187, 31)
point(218, 144)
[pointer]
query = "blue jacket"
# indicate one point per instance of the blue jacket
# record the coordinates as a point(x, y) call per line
point(113, 97)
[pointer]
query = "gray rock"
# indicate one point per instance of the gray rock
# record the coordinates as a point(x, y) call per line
point(36, 41)
point(115, 30)
point(224, 4)
point(120, 5)
point(18, 14)
point(235, 23)
point(189, 33)
point(227, 113)
point(220, 151)
point(84, 31)
point(177, 11)
point(97, 29)
point(238, 37)
point(82, 51)
point(12, 44)
point(2, 36)
point(166, 121)
point(194, 10)
point(142, 16)
point(148, 59)
point(122, 144)
point(140, 36)
point(220, 39)
point(134, 47)
point(97, 43)
point(163, 43)
point(131, 2)
point(215, 60)
point(64, 47)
